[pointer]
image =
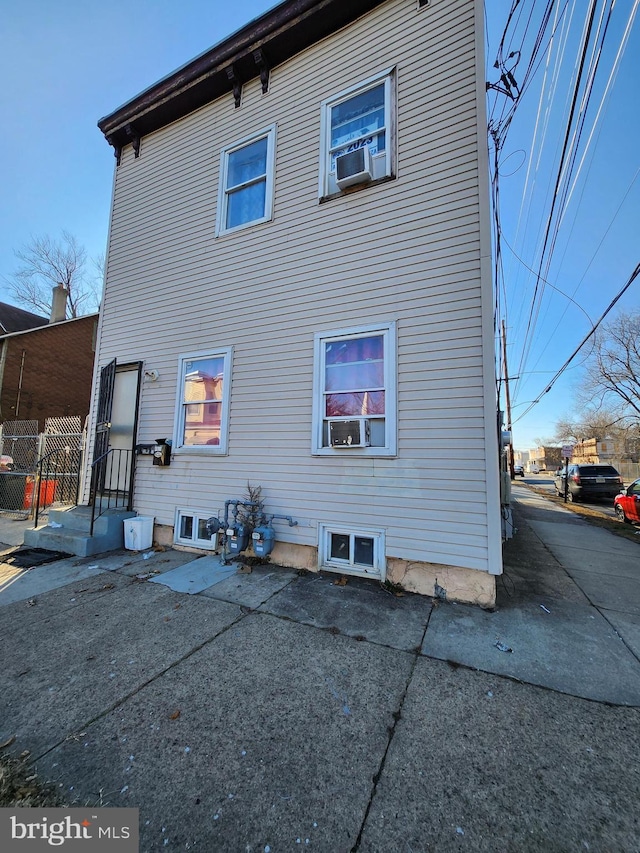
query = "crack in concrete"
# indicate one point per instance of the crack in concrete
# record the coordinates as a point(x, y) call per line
point(397, 715)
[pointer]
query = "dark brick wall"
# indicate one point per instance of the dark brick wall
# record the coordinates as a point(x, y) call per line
point(56, 375)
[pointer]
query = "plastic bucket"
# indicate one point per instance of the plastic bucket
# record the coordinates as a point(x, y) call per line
point(47, 492)
point(138, 533)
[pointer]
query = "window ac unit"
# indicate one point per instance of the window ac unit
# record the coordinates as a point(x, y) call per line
point(354, 167)
point(354, 433)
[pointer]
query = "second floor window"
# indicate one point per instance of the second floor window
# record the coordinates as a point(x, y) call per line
point(246, 182)
point(360, 117)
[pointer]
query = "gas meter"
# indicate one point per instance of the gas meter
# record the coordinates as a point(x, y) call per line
point(263, 540)
point(237, 538)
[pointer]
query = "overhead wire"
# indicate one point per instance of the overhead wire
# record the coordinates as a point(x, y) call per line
point(499, 128)
point(568, 186)
point(566, 139)
point(612, 77)
point(589, 334)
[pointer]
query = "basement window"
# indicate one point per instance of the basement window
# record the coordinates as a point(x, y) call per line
point(351, 551)
point(191, 529)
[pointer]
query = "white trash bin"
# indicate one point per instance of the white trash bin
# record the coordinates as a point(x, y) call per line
point(138, 533)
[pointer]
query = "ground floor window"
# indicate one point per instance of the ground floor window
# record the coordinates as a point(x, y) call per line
point(352, 551)
point(202, 406)
point(354, 401)
point(191, 529)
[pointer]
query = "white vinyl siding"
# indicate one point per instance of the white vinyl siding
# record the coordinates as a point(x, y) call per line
point(408, 250)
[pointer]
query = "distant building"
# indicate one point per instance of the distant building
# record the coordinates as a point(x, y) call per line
point(46, 372)
point(593, 450)
point(546, 458)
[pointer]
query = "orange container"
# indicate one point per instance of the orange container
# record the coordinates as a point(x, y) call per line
point(47, 492)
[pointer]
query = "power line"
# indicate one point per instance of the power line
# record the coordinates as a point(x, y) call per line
point(611, 305)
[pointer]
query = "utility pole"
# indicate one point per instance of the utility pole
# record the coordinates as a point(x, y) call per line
point(507, 398)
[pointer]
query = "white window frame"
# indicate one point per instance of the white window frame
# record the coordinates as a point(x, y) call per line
point(269, 134)
point(383, 163)
point(348, 567)
point(209, 544)
point(388, 330)
point(178, 431)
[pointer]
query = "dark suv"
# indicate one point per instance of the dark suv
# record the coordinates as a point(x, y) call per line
point(589, 481)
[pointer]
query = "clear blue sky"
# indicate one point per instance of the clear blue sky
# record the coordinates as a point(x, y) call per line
point(65, 64)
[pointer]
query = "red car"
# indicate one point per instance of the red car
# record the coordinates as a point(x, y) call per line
point(627, 503)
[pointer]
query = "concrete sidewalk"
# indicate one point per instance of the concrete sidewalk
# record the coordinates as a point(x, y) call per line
point(279, 711)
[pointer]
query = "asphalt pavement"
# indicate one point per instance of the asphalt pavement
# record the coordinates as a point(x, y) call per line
point(277, 711)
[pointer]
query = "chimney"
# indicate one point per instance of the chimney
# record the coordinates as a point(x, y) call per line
point(58, 304)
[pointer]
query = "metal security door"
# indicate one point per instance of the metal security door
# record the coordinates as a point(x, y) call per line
point(105, 405)
point(124, 422)
point(116, 425)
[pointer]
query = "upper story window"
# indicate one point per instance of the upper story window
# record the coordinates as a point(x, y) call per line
point(357, 135)
point(246, 182)
point(355, 392)
point(202, 415)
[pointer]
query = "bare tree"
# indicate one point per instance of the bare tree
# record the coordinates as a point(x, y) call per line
point(46, 263)
point(612, 380)
point(608, 396)
point(591, 424)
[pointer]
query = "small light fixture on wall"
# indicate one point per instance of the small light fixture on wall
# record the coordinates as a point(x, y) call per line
point(151, 374)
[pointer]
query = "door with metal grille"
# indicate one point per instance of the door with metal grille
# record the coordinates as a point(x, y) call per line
point(116, 427)
point(105, 405)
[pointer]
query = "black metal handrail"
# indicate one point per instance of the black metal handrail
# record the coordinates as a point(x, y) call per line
point(111, 482)
point(56, 480)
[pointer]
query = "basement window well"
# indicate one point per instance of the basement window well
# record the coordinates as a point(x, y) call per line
point(354, 552)
point(191, 529)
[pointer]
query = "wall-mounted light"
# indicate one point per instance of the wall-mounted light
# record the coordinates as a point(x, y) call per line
point(151, 374)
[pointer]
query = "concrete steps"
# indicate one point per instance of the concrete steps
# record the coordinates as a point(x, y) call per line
point(73, 536)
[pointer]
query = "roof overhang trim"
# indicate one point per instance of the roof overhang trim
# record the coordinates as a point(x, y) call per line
point(279, 34)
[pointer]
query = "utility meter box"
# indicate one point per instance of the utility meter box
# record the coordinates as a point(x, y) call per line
point(263, 540)
point(237, 538)
point(162, 452)
point(213, 525)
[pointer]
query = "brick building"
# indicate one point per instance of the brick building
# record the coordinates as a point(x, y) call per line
point(46, 372)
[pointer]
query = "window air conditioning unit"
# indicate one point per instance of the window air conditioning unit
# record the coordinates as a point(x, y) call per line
point(349, 433)
point(354, 167)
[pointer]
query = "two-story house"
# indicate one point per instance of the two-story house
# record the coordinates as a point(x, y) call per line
point(298, 292)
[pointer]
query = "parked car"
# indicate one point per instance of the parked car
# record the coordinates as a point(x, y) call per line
point(589, 481)
point(627, 503)
point(518, 471)
point(533, 468)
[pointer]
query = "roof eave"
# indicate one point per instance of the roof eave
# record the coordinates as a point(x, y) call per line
point(279, 34)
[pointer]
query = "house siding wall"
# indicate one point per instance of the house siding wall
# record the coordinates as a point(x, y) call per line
point(408, 250)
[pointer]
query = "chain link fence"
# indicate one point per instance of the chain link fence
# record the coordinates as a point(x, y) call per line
point(40, 466)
